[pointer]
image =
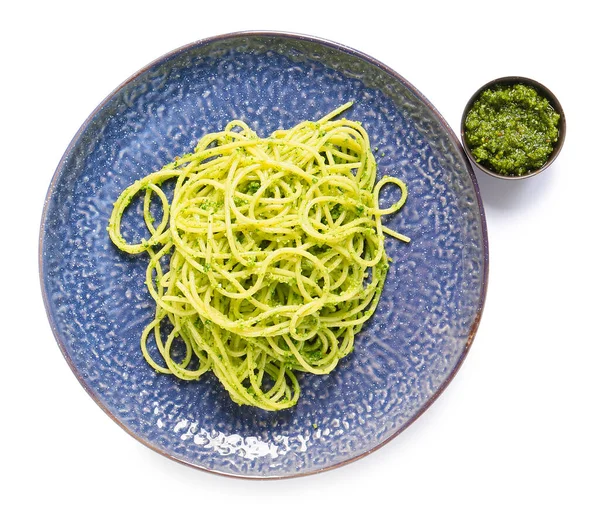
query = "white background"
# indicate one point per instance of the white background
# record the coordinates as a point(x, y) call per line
point(512, 443)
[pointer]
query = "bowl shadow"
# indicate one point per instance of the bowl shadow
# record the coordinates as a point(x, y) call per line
point(503, 194)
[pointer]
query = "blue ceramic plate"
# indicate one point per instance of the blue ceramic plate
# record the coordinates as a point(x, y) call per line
point(429, 311)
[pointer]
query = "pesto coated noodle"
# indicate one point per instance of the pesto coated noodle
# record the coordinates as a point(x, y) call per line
point(268, 258)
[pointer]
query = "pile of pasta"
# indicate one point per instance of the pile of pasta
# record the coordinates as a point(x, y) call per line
point(267, 259)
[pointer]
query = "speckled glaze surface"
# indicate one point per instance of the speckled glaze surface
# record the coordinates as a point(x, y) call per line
point(429, 311)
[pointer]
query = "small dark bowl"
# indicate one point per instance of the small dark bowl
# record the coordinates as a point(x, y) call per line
point(543, 91)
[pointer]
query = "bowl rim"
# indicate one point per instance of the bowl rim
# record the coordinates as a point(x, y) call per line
point(261, 35)
point(542, 90)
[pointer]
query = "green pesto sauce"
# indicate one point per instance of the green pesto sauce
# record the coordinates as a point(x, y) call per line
point(511, 129)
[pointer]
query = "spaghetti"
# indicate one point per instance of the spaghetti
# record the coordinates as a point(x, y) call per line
point(268, 258)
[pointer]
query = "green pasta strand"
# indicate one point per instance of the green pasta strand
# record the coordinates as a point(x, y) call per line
point(268, 259)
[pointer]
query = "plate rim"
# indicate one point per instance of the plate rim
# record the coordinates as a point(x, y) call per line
point(288, 36)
